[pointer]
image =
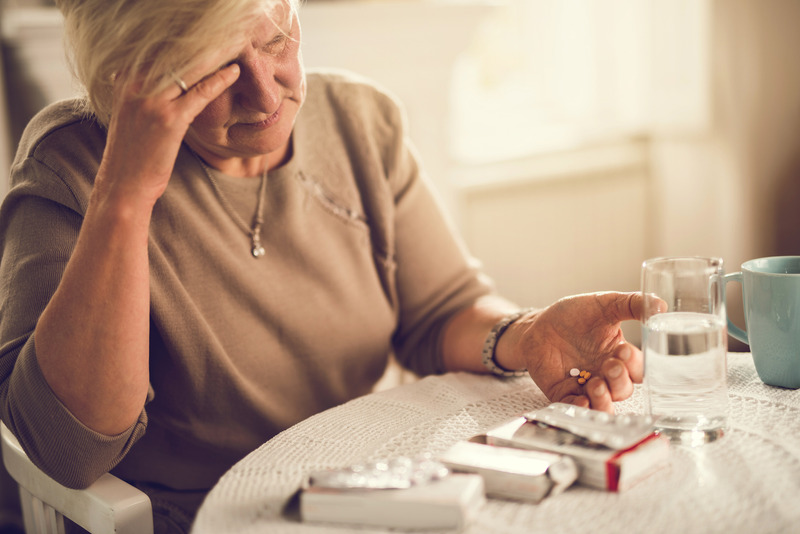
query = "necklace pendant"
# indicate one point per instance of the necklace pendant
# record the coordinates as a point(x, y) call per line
point(258, 250)
point(255, 239)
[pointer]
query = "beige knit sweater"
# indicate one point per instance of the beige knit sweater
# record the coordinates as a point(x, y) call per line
point(360, 263)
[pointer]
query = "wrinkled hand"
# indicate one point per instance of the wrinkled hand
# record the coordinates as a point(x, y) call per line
point(583, 332)
point(145, 132)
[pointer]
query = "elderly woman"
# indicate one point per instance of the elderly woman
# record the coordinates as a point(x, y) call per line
point(213, 245)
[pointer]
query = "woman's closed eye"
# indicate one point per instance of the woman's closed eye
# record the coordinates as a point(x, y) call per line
point(277, 44)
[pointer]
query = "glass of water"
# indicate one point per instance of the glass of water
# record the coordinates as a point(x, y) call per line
point(685, 345)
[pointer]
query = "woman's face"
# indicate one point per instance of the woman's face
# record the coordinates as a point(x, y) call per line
point(254, 117)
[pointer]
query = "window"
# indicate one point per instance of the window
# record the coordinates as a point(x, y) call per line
point(545, 74)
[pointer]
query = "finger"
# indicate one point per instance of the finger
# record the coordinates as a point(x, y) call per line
point(652, 304)
point(209, 88)
point(633, 360)
point(599, 396)
point(617, 378)
point(622, 306)
point(178, 88)
point(565, 389)
point(207, 68)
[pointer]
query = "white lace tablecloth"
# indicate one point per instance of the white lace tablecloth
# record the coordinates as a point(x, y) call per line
point(749, 481)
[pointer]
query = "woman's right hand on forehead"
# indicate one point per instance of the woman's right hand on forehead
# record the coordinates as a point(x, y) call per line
point(145, 133)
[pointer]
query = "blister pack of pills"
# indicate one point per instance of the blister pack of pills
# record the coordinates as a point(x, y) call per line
point(600, 428)
point(401, 493)
point(395, 473)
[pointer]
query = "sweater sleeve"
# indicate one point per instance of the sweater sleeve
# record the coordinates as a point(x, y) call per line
point(435, 274)
point(37, 236)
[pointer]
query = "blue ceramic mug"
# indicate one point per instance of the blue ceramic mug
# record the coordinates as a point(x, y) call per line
point(771, 293)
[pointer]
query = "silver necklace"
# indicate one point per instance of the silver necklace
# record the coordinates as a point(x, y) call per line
point(254, 231)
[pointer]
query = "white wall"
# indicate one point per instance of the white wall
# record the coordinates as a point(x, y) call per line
point(562, 223)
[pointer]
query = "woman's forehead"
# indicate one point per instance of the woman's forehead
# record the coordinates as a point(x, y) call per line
point(275, 20)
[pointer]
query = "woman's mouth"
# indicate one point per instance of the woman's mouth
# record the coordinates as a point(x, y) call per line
point(264, 123)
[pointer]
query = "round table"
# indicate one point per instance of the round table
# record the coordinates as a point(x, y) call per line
point(749, 481)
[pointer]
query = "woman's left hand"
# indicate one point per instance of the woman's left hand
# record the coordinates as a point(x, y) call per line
point(581, 332)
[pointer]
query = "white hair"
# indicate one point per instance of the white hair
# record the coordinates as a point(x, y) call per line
point(152, 38)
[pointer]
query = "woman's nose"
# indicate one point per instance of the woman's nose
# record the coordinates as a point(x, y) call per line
point(257, 88)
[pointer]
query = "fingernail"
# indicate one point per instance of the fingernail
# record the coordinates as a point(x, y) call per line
point(625, 354)
point(599, 389)
point(615, 371)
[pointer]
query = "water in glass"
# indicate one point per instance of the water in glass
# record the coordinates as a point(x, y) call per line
point(685, 374)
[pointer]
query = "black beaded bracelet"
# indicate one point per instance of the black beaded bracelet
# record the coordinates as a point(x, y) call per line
point(490, 344)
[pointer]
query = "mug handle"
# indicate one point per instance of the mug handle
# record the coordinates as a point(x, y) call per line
point(734, 330)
